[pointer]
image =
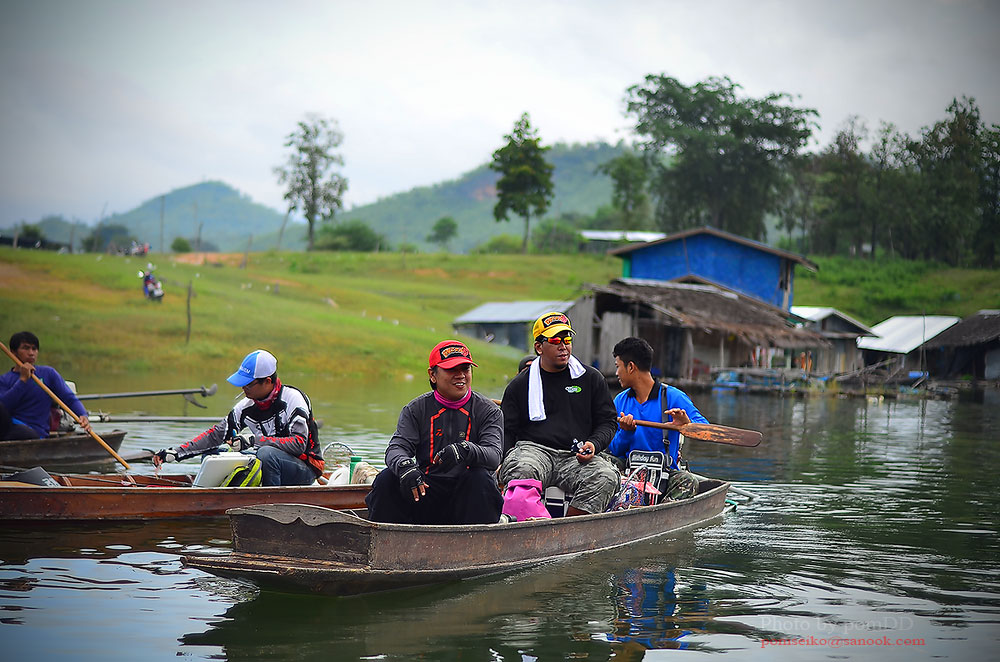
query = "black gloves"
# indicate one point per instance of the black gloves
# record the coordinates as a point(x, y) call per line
point(411, 480)
point(244, 440)
point(164, 455)
point(452, 454)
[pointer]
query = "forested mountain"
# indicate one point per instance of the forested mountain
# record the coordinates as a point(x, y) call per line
point(225, 216)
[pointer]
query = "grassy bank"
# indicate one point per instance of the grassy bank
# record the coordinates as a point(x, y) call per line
point(872, 291)
point(362, 316)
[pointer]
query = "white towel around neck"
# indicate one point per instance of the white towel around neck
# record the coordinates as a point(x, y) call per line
point(536, 404)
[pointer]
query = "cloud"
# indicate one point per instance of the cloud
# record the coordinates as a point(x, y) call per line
point(111, 102)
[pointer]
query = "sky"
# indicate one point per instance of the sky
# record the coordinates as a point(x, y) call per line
point(106, 104)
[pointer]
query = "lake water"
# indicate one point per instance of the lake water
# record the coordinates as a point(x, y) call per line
point(873, 535)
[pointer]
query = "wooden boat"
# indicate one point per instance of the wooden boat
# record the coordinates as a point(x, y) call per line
point(108, 497)
point(318, 550)
point(59, 448)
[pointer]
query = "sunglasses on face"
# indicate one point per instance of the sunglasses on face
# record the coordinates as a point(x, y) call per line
point(556, 340)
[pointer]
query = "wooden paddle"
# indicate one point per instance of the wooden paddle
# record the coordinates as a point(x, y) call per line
point(719, 434)
point(55, 398)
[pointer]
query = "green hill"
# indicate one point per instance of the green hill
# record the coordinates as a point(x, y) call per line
point(227, 217)
point(408, 217)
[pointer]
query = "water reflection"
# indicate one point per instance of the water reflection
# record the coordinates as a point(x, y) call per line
point(609, 603)
point(872, 518)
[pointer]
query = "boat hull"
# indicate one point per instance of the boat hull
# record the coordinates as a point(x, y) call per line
point(307, 549)
point(61, 449)
point(97, 498)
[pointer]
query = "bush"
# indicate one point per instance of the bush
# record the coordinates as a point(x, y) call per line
point(350, 236)
point(180, 245)
point(505, 244)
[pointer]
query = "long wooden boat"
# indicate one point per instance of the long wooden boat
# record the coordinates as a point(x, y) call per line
point(97, 497)
point(301, 548)
point(64, 449)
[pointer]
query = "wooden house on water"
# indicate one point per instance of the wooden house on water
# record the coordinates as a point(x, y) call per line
point(900, 343)
point(692, 328)
point(970, 348)
point(709, 256)
point(842, 332)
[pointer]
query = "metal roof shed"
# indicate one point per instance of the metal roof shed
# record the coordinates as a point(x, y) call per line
point(507, 322)
point(904, 333)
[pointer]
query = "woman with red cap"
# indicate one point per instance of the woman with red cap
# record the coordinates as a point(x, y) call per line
point(441, 460)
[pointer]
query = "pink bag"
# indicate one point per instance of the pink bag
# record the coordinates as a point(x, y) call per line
point(523, 500)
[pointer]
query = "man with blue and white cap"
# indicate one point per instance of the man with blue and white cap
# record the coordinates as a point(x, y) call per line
point(274, 419)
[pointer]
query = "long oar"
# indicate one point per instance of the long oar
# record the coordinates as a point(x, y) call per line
point(719, 434)
point(55, 398)
point(205, 392)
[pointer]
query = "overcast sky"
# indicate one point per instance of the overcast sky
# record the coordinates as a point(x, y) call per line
point(104, 105)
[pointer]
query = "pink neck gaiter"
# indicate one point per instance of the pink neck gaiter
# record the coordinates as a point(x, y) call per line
point(453, 404)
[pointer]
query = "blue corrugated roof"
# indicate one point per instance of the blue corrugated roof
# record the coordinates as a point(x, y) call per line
point(510, 311)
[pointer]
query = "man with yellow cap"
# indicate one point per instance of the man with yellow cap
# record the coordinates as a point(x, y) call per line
point(558, 415)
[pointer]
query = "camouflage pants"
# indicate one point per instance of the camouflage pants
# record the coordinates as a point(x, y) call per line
point(680, 485)
point(591, 484)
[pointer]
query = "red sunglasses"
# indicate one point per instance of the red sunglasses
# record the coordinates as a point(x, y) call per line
point(555, 340)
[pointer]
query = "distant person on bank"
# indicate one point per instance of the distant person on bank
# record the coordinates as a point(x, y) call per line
point(555, 402)
point(275, 419)
point(25, 409)
point(646, 399)
point(441, 459)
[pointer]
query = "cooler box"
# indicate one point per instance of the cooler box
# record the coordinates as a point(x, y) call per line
point(215, 468)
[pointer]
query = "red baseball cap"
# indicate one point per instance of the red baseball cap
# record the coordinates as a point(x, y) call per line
point(450, 353)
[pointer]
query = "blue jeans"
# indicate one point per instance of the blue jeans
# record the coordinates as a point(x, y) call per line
point(280, 468)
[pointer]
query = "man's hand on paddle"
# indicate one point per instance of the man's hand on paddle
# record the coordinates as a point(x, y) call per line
point(25, 370)
point(678, 415)
point(85, 424)
point(626, 422)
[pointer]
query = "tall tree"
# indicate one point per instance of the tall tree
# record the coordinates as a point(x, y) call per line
point(525, 185)
point(315, 187)
point(630, 179)
point(949, 158)
point(444, 230)
point(729, 152)
point(893, 189)
point(988, 239)
point(844, 191)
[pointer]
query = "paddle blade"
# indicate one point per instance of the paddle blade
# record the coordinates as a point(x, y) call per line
point(720, 434)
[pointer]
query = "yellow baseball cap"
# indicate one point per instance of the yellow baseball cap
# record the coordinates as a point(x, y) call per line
point(550, 324)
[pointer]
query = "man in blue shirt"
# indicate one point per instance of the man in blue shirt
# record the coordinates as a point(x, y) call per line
point(25, 409)
point(646, 399)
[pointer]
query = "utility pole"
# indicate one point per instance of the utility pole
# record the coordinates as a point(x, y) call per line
point(197, 243)
point(163, 246)
point(281, 233)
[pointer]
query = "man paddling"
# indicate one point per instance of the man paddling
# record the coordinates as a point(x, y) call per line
point(646, 399)
point(26, 409)
point(274, 419)
point(441, 460)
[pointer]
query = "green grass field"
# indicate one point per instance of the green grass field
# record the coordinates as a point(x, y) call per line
point(342, 315)
point(362, 316)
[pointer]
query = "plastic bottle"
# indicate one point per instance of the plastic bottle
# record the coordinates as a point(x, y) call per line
point(354, 463)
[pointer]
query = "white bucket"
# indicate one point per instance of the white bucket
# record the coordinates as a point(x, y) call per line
point(340, 475)
point(215, 468)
